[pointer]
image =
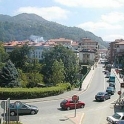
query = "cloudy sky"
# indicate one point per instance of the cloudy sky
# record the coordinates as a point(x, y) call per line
point(104, 18)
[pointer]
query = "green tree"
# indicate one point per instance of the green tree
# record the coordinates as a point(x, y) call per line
point(34, 79)
point(68, 58)
point(20, 55)
point(57, 72)
point(9, 75)
point(3, 55)
point(22, 78)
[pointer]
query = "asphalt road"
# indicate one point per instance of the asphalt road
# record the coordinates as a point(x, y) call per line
point(95, 112)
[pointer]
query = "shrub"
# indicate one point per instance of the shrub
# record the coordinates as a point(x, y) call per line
point(31, 93)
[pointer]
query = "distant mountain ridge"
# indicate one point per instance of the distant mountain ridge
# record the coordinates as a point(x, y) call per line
point(22, 26)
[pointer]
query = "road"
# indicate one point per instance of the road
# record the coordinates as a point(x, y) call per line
point(95, 112)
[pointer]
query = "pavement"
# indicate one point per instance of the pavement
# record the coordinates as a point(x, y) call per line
point(117, 76)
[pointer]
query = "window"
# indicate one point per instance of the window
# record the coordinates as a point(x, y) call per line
point(71, 102)
point(122, 118)
point(116, 116)
point(24, 106)
point(11, 105)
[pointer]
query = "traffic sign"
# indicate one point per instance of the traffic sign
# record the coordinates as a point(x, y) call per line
point(3, 104)
point(122, 85)
point(75, 98)
point(18, 104)
point(119, 92)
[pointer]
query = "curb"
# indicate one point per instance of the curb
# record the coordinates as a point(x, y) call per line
point(116, 76)
point(86, 84)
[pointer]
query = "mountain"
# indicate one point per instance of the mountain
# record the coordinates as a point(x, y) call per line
point(22, 26)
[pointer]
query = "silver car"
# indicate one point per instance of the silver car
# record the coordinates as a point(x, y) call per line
point(117, 118)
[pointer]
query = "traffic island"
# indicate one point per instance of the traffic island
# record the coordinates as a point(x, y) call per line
point(76, 119)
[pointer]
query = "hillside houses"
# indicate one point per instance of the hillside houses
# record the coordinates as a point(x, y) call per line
point(86, 49)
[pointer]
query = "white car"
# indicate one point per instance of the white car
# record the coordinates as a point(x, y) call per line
point(117, 118)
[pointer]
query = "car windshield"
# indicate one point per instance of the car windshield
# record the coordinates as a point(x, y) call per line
point(116, 116)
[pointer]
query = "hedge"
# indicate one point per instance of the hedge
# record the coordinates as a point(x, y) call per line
point(31, 93)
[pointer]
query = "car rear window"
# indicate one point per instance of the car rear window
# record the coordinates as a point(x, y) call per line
point(116, 116)
point(100, 93)
point(109, 87)
point(64, 101)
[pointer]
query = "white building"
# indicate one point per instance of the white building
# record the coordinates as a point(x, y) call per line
point(88, 51)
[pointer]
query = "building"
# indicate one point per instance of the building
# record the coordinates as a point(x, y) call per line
point(36, 48)
point(88, 44)
point(62, 41)
point(88, 51)
point(115, 50)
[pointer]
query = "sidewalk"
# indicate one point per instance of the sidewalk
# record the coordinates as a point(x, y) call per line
point(117, 76)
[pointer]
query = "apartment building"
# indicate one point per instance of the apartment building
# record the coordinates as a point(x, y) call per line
point(115, 49)
point(88, 44)
point(88, 51)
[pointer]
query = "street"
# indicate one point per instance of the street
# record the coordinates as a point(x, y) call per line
point(95, 112)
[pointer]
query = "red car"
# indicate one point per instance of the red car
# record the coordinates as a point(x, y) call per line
point(69, 104)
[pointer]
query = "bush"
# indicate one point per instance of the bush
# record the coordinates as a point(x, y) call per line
point(12, 122)
point(31, 93)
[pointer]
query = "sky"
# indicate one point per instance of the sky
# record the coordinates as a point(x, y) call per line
point(104, 18)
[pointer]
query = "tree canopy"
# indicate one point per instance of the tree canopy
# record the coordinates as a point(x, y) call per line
point(9, 75)
point(3, 55)
point(63, 55)
point(19, 56)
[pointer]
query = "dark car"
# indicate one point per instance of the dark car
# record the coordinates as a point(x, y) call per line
point(112, 84)
point(102, 96)
point(69, 104)
point(110, 90)
point(22, 109)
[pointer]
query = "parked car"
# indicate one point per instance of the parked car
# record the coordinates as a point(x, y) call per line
point(111, 78)
point(110, 90)
point(69, 104)
point(22, 109)
point(102, 96)
point(107, 75)
point(105, 71)
point(117, 118)
point(112, 84)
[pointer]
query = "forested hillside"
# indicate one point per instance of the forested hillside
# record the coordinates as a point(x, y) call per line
point(22, 26)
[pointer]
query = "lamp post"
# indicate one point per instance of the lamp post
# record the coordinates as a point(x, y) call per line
point(80, 82)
